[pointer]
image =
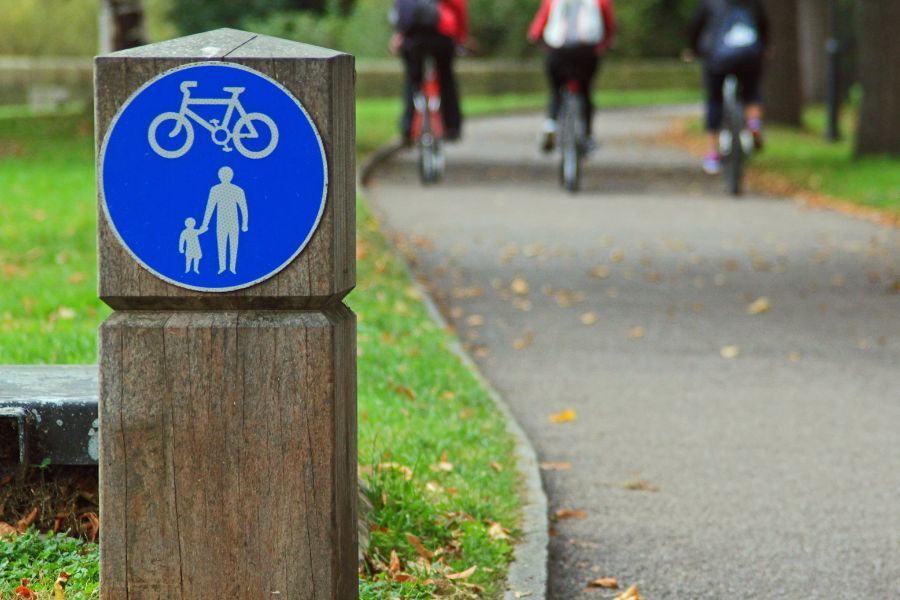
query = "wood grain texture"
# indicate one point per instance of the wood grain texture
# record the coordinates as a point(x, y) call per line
point(228, 455)
point(324, 82)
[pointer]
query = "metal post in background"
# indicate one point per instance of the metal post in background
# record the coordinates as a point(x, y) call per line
point(833, 93)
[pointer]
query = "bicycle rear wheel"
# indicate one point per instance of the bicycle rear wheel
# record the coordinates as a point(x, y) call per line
point(734, 153)
point(571, 140)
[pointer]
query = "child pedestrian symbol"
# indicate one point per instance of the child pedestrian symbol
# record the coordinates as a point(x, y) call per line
point(189, 245)
point(226, 199)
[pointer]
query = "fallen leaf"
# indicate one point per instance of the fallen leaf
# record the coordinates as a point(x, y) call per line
point(66, 313)
point(556, 466)
point(76, 278)
point(498, 532)
point(565, 416)
point(617, 256)
point(421, 550)
point(519, 286)
point(589, 318)
point(404, 470)
point(496, 466)
point(629, 594)
point(607, 583)
point(795, 357)
point(638, 485)
point(601, 272)
point(443, 465)
point(730, 352)
point(474, 320)
point(394, 566)
point(567, 513)
point(759, 306)
point(27, 520)
point(523, 342)
point(636, 333)
point(463, 574)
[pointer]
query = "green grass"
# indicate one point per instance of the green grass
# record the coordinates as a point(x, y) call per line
point(418, 403)
point(42, 558)
point(809, 162)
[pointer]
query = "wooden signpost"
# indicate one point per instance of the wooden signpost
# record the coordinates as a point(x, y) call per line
point(227, 379)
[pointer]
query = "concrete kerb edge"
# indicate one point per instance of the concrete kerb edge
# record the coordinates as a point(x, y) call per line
point(528, 572)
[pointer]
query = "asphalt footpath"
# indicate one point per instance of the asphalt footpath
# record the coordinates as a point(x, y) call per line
point(713, 384)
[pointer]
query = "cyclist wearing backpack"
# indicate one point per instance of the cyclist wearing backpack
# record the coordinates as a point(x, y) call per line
point(430, 28)
point(732, 36)
point(576, 34)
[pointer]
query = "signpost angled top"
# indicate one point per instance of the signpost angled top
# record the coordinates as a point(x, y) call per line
point(225, 174)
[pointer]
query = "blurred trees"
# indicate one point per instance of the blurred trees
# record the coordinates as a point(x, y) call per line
point(121, 25)
point(879, 72)
point(783, 95)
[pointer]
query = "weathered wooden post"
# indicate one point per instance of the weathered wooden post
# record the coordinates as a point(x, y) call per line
point(226, 186)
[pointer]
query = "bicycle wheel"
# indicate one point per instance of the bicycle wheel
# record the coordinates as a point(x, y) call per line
point(428, 146)
point(734, 117)
point(255, 131)
point(179, 123)
point(570, 146)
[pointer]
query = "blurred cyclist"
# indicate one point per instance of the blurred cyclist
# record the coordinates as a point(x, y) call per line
point(576, 33)
point(732, 37)
point(430, 28)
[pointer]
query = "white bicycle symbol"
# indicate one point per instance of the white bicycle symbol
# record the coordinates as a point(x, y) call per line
point(244, 128)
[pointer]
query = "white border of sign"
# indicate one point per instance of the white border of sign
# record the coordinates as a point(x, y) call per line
point(102, 194)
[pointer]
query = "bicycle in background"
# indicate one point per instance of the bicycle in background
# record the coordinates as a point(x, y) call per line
point(735, 140)
point(428, 126)
point(572, 135)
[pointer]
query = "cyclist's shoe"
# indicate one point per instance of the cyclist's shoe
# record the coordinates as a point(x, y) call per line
point(406, 138)
point(712, 163)
point(548, 136)
point(590, 144)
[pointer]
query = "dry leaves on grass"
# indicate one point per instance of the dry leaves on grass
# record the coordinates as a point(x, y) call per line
point(606, 583)
point(565, 416)
point(759, 306)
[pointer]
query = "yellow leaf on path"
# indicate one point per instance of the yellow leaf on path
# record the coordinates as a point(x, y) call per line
point(636, 333)
point(567, 513)
point(617, 256)
point(589, 318)
point(629, 594)
point(519, 286)
point(608, 583)
point(601, 272)
point(638, 485)
point(759, 306)
point(463, 574)
point(730, 351)
point(523, 342)
point(556, 466)
point(474, 320)
point(565, 416)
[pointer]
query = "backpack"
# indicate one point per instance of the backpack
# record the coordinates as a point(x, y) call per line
point(574, 23)
point(416, 15)
point(737, 38)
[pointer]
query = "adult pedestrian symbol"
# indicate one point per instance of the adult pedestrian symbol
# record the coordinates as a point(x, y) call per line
point(213, 176)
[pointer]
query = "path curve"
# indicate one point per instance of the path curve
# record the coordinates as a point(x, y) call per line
point(777, 470)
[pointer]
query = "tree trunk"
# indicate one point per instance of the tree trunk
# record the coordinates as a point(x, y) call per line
point(121, 25)
point(879, 47)
point(813, 22)
point(784, 101)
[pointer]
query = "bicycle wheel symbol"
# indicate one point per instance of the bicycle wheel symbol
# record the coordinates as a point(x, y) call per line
point(175, 123)
point(247, 128)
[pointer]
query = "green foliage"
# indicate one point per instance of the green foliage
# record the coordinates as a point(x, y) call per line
point(41, 558)
point(192, 16)
point(48, 27)
point(363, 31)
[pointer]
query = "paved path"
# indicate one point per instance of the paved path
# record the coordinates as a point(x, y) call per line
point(778, 471)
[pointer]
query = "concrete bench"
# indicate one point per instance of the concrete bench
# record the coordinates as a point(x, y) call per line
point(48, 414)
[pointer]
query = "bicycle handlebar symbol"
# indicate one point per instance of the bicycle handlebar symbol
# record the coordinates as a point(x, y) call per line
point(244, 128)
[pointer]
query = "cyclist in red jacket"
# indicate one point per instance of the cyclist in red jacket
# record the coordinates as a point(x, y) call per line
point(430, 28)
point(576, 33)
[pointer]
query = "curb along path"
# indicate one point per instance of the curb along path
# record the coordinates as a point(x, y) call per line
point(723, 374)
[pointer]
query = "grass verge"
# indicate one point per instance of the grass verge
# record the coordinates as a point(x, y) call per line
point(799, 162)
point(433, 448)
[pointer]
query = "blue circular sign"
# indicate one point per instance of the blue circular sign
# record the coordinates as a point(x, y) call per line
point(213, 176)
